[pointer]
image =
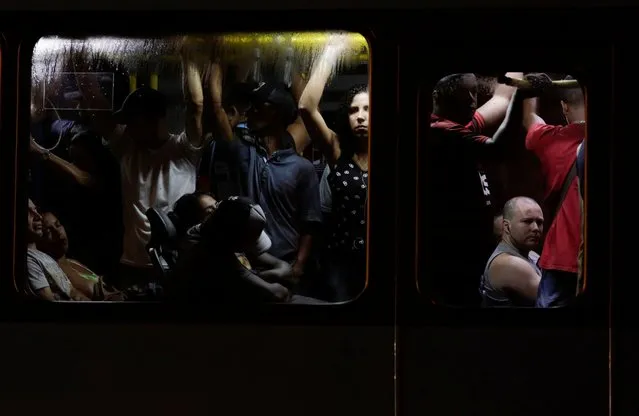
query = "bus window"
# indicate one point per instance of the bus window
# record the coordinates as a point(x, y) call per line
point(502, 224)
point(208, 168)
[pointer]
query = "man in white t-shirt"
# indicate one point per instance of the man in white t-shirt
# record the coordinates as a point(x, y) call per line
point(156, 167)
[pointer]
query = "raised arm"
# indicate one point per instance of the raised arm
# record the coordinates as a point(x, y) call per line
point(510, 125)
point(319, 132)
point(530, 116)
point(540, 82)
point(194, 99)
point(221, 124)
point(298, 130)
point(494, 110)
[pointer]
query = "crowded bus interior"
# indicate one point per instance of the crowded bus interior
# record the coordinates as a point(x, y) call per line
point(234, 168)
point(217, 168)
point(510, 147)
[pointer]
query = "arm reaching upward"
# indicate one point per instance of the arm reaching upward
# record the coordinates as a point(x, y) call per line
point(319, 132)
point(194, 98)
point(298, 130)
point(494, 110)
point(222, 125)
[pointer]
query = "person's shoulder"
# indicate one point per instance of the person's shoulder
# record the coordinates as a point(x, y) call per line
point(507, 261)
point(304, 165)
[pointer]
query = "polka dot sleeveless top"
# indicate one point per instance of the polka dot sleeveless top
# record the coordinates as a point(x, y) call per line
point(349, 188)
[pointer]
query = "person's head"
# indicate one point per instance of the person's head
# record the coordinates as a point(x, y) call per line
point(523, 223)
point(194, 208)
point(573, 103)
point(144, 114)
point(455, 97)
point(34, 224)
point(272, 109)
point(238, 226)
point(54, 239)
point(352, 118)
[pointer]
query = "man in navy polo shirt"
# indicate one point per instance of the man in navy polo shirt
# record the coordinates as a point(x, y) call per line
point(272, 172)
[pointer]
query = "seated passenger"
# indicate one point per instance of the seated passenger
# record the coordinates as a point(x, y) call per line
point(210, 270)
point(192, 209)
point(511, 277)
point(55, 243)
point(45, 279)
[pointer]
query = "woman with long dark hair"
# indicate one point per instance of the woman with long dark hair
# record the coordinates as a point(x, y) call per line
point(346, 152)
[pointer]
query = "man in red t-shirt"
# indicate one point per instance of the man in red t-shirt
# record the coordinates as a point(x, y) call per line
point(556, 147)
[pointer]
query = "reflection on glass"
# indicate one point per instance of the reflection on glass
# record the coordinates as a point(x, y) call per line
point(199, 168)
point(504, 226)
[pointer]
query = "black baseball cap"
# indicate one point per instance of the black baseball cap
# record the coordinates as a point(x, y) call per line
point(145, 102)
point(237, 216)
point(276, 95)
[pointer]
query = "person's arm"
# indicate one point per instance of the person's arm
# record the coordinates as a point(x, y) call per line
point(37, 281)
point(45, 294)
point(319, 132)
point(530, 116)
point(494, 110)
point(270, 291)
point(509, 127)
point(298, 130)
point(77, 296)
point(310, 215)
point(326, 195)
point(67, 168)
point(514, 274)
point(194, 99)
point(276, 269)
point(221, 124)
point(304, 246)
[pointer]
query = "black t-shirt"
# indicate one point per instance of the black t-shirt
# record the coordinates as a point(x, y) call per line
point(456, 210)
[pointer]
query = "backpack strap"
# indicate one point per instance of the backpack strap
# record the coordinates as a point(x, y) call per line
point(572, 173)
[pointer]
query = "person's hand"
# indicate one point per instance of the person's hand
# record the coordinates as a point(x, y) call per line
point(279, 292)
point(540, 83)
point(337, 42)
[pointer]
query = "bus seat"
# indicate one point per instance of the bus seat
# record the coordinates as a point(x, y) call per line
point(163, 240)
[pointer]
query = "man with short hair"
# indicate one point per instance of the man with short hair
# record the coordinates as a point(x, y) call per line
point(157, 167)
point(273, 174)
point(511, 277)
point(556, 147)
point(458, 198)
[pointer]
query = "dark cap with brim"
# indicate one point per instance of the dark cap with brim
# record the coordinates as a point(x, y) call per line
point(143, 102)
point(276, 95)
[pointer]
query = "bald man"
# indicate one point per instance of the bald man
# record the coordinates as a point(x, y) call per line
point(511, 277)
